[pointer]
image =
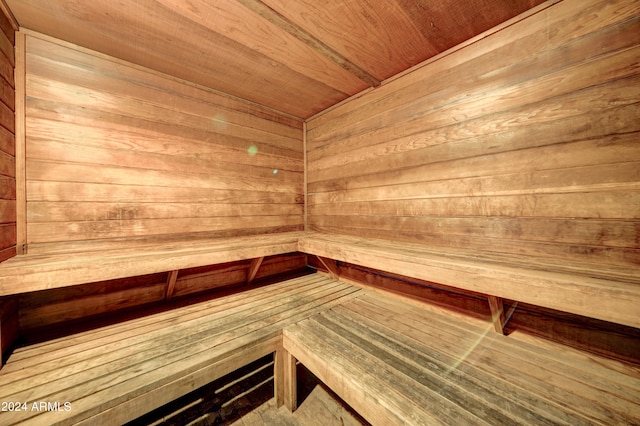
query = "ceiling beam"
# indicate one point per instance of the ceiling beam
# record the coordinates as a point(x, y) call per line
point(285, 24)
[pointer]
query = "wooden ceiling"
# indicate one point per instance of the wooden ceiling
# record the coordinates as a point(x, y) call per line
point(296, 56)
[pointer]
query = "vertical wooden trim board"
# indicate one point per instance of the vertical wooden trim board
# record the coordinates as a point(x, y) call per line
point(306, 188)
point(7, 135)
point(20, 114)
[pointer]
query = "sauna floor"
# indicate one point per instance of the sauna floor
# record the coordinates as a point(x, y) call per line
point(320, 408)
point(245, 397)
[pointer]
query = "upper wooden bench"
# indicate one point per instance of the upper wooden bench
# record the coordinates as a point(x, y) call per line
point(595, 291)
point(100, 261)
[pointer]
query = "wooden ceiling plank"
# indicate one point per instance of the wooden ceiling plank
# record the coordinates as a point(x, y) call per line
point(299, 57)
point(233, 20)
point(285, 24)
point(375, 35)
point(162, 43)
point(442, 62)
point(447, 23)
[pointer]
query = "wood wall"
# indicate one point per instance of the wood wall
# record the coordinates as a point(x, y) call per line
point(116, 152)
point(526, 142)
point(8, 192)
point(7, 140)
point(42, 313)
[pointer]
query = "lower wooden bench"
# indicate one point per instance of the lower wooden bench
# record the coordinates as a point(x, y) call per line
point(400, 364)
point(116, 373)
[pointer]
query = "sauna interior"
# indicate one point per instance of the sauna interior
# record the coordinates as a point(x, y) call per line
point(433, 206)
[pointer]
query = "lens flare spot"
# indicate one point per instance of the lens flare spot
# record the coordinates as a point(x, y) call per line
point(252, 150)
point(219, 121)
point(275, 171)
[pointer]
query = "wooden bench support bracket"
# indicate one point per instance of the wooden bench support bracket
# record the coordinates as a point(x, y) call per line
point(497, 313)
point(171, 285)
point(253, 269)
point(331, 266)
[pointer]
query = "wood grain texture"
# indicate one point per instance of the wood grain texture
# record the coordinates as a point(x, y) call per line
point(43, 312)
point(239, 53)
point(522, 320)
point(524, 143)
point(587, 288)
point(132, 257)
point(146, 362)
point(170, 287)
point(389, 37)
point(402, 364)
point(496, 305)
point(316, 44)
point(169, 158)
point(299, 58)
point(253, 269)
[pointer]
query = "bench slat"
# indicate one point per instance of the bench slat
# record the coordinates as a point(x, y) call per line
point(437, 395)
point(150, 367)
point(486, 373)
point(95, 337)
point(336, 370)
point(594, 291)
point(168, 392)
point(141, 344)
point(558, 396)
point(562, 359)
point(493, 401)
